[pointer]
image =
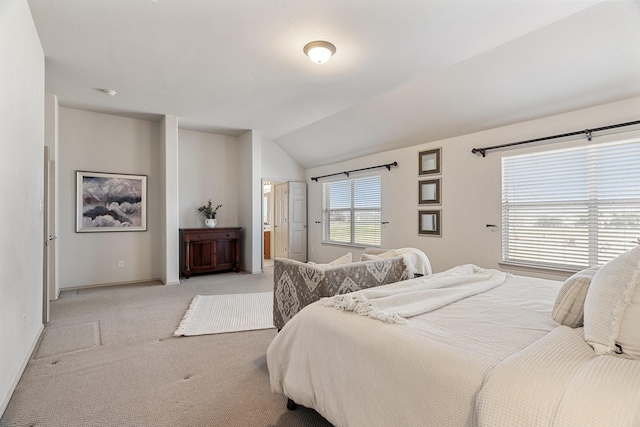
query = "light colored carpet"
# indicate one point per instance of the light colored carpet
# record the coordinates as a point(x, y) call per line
point(218, 314)
point(66, 339)
point(143, 376)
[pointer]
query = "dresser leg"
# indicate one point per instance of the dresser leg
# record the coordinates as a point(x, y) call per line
point(187, 259)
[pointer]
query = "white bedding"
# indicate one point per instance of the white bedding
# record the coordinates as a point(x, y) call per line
point(356, 371)
point(560, 381)
point(493, 359)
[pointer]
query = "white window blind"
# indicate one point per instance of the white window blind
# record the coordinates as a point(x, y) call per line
point(571, 208)
point(351, 211)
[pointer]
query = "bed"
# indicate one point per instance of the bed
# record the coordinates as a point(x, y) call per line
point(496, 357)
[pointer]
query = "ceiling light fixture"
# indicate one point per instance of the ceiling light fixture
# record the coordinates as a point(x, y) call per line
point(109, 92)
point(319, 51)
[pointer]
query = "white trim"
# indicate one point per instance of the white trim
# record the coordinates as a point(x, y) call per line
point(130, 282)
point(538, 269)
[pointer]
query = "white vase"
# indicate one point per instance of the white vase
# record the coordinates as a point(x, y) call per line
point(210, 222)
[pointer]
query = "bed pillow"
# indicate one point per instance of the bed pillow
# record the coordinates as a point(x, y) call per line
point(629, 336)
point(344, 259)
point(388, 254)
point(368, 257)
point(569, 307)
point(612, 307)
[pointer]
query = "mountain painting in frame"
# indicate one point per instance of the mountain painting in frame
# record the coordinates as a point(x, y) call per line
point(110, 202)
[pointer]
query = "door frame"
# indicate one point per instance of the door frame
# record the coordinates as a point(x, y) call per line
point(273, 182)
point(46, 261)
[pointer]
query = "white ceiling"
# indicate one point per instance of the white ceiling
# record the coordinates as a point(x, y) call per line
point(405, 71)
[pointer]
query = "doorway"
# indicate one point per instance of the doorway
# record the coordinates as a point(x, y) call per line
point(285, 220)
point(267, 223)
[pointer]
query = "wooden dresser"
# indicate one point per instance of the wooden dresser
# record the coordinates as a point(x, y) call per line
point(209, 250)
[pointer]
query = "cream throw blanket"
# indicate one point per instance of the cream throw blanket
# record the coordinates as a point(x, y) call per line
point(414, 259)
point(396, 302)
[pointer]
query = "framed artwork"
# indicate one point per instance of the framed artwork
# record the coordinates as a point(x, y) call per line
point(429, 192)
point(429, 223)
point(110, 202)
point(429, 162)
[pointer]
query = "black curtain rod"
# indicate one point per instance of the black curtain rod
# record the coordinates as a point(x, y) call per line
point(586, 132)
point(388, 166)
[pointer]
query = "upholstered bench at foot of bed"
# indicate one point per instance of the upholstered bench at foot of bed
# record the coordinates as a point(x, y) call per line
point(297, 284)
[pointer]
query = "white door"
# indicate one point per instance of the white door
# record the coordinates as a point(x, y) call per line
point(281, 221)
point(298, 221)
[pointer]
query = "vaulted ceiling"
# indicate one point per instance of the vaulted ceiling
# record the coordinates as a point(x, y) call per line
point(405, 71)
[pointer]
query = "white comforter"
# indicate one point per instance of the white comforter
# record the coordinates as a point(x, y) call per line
point(356, 371)
point(485, 360)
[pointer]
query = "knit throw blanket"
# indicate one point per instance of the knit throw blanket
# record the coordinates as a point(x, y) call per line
point(396, 302)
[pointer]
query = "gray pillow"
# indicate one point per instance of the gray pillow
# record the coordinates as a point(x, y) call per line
point(569, 307)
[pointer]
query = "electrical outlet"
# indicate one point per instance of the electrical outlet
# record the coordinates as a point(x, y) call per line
point(121, 263)
point(24, 321)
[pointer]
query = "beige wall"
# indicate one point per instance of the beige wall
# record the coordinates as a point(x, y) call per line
point(104, 143)
point(471, 190)
point(21, 188)
point(208, 169)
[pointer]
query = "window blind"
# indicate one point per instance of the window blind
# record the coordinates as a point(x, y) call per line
point(352, 211)
point(571, 208)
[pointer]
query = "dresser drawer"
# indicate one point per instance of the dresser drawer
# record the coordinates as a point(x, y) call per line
point(195, 236)
point(212, 234)
point(227, 234)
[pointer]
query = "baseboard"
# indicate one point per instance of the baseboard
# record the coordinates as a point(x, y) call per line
point(16, 380)
point(100, 285)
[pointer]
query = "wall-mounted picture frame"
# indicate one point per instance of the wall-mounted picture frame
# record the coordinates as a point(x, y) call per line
point(429, 222)
point(429, 162)
point(429, 192)
point(110, 202)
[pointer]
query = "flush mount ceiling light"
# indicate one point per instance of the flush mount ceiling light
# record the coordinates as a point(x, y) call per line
point(319, 51)
point(109, 92)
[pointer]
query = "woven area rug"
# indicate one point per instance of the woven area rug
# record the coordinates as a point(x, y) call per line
point(217, 314)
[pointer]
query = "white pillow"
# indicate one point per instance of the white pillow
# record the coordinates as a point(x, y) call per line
point(569, 307)
point(612, 306)
point(388, 254)
point(344, 259)
point(629, 336)
point(368, 257)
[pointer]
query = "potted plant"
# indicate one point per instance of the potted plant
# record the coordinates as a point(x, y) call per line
point(209, 214)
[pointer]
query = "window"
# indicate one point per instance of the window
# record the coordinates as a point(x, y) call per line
point(351, 211)
point(571, 208)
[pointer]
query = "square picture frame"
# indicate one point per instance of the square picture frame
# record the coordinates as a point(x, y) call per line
point(429, 222)
point(429, 162)
point(429, 191)
point(110, 202)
